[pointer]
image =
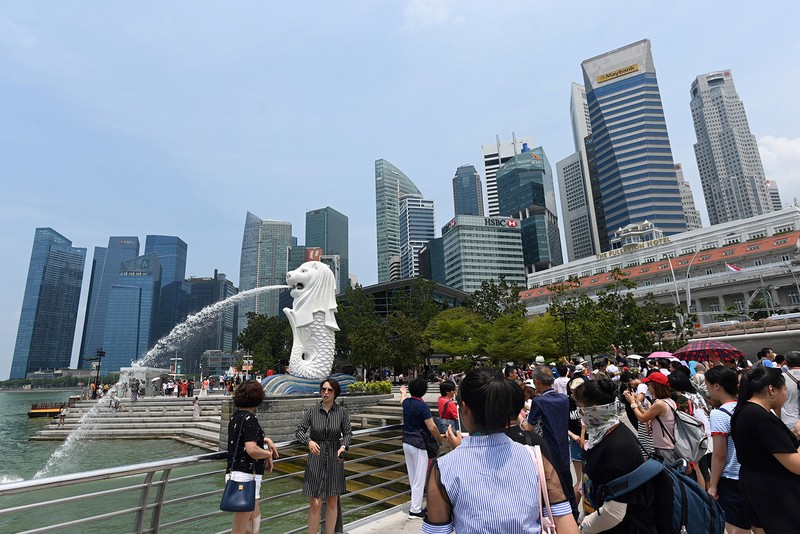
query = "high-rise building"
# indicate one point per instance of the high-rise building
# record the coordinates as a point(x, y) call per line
point(693, 221)
point(173, 301)
point(525, 192)
point(132, 312)
point(417, 227)
point(221, 334)
point(478, 249)
point(431, 261)
point(635, 172)
point(774, 195)
point(327, 229)
point(106, 265)
point(390, 185)
point(727, 154)
point(49, 305)
point(467, 191)
point(577, 205)
point(264, 262)
point(495, 155)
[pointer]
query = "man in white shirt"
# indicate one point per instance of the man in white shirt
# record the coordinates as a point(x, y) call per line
point(560, 383)
point(790, 412)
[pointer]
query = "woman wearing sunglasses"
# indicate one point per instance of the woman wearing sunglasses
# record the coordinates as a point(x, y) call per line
point(325, 429)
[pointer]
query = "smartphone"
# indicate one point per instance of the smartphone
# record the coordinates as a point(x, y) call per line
point(460, 423)
point(342, 455)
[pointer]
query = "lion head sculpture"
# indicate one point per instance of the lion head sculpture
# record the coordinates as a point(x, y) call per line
point(313, 289)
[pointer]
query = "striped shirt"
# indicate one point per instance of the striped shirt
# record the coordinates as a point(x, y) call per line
point(324, 475)
point(488, 491)
point(721, 426)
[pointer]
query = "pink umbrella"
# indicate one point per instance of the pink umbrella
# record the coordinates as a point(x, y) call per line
point(661, 354)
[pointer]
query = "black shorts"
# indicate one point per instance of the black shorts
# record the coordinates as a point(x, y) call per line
point(731, 501)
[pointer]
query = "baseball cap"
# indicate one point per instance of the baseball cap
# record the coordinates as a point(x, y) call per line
point(657, 377)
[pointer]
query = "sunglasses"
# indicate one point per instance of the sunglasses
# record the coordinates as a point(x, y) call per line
point(326, 389)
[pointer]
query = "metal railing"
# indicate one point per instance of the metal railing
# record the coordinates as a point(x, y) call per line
point(183, 494)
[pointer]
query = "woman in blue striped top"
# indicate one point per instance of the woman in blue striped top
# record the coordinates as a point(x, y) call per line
point(489, 483)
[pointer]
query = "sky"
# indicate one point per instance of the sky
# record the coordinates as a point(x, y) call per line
point(176, 118)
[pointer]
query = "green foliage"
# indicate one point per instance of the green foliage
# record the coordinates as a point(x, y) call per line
point(460, 365)
point(455, 332)
point(267, 339)
point(361, 337)
point(509, 338)
point(380, 387)
point(494, 300)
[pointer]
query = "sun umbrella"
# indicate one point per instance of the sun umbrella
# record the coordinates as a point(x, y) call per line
point(661, 354)
point(704, 350)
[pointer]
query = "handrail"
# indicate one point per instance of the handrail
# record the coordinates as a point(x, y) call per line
point(147, 497)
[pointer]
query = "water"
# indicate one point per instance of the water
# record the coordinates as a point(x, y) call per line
point(171, 342)
point(22, 459)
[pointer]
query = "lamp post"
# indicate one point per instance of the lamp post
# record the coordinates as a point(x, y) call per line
point(688, 285)
point(100, 353)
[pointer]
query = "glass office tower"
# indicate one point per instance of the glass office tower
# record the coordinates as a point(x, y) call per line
point(417, 227)
point(49, 305)
point(390, 185)
point(633, 159)
point(173, 301)
point(467, 191)
point(327, 229)
point(264, 262)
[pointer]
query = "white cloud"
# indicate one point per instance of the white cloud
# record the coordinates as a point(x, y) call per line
point(430, 12)
point(781, 158)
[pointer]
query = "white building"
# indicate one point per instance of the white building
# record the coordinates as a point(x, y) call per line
point(494, 155)
point(417, 227)
point(774, 195)
point(723, 266)
point(727, 155)
point(693, 221)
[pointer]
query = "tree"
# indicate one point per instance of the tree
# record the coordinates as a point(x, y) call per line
point(545, 331)
point(267, 339)
point(413, 308)
point(494, 300)
point(455, 332)
point(509, 338)
point(361, 337)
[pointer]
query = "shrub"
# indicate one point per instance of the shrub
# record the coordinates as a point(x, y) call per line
point(373, 388)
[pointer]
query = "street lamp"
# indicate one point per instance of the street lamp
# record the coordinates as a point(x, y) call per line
point(688, 285)
point(100, 353)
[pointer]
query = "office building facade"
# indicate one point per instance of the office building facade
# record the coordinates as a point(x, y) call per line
point(328, 229)
point(774, 195)
point(206, 291)
point(693, 221)
point(494, 156)
point(478, 249)
point(106, 265)
point(635, 173)
point(173, 301)
point(731, 171)
point(264, 262)
point(467, 191)
point(390, 185)
point(417, 227)
point(49, 306)
point(431, 261)
point(525, 192)
point(132, 313)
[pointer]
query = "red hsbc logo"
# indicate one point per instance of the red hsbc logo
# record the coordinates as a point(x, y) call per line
point(511, 223)
point(313, 254)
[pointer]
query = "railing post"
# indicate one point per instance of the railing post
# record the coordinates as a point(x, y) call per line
point(139, 521)
point(159, 502)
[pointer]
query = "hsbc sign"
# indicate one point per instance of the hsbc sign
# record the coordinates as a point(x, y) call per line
point(509, 223)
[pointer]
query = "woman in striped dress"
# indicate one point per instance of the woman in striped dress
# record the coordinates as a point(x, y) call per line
point(489, 484)
point(325, 430)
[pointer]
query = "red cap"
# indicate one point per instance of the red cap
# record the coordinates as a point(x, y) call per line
point(657, 377)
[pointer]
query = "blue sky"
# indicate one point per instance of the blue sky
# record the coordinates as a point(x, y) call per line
point(176, 118)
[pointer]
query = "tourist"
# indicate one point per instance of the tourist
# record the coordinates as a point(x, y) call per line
point(661, 410)
point(248, 460)
point(613, 452)
point(418, 431)
point(690, 401)
point(767, 451)
point(325, 430)
point(560, 383)
point(204, 385)
point(790, 412)
point(765, 357)
point(510, 373)
point(62, 414)
point(723, 485)
point(489, 483)
point(196, 409)
point(448, 413)
point(549, 417)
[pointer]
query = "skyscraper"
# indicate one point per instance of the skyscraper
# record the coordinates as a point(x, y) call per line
point(327, 229)
point(633, 162)
point(105, 272)
point(577, 203)
point(390, 185)
point(693, 221)
point(727, 155)
point(417, 227)
point(173, 300)
point(132, 312)
point(774, 195)
point(49, 305)
point(525, 192)
point(264, 262)
point(494, 155)
point(221, 334)
point(467, 191)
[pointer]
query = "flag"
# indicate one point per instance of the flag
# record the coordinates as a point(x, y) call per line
point(733, 268)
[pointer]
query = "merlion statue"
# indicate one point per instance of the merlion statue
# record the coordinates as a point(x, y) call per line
point(312, 319)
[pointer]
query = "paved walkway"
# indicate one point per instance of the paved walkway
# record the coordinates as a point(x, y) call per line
point(394, 521)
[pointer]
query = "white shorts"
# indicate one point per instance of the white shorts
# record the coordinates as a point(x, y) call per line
point(241, 476)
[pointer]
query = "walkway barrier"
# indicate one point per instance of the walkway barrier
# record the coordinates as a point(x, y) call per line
point(183, 494)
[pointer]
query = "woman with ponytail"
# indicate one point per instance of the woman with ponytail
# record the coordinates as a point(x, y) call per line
point(489, 483)
point(614, 452)
point(769, 475)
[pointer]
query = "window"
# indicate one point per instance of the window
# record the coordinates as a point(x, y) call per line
point(594, 280)
point(665, 266)
point(785, 257)
point(757, 235)
point(731, 240)
point(683, 262)
point(781, 241)
point(705, 257)
point(752, 247)
point(757, 263)
point(644, 269)
point(728, 253)
point(649, 259)
point(709, 271)
point(715, 307)
point(794, 298)
point(667, 279)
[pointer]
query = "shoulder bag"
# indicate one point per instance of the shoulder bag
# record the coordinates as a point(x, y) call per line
point(238, 496)
point(546, 521)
